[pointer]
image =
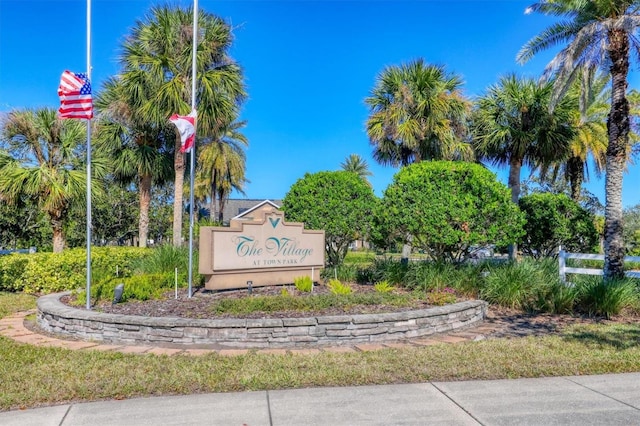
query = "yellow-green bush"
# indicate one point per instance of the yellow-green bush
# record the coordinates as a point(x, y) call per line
point(138, 287)
point(384, 287)
point(336, 287)
point(303, 284)
point(11, 269)
point(50, 273)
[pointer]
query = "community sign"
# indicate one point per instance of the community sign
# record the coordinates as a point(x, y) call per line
point(259, 248)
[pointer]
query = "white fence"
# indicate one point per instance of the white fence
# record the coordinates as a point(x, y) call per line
point(23, 251)
point(564, 270)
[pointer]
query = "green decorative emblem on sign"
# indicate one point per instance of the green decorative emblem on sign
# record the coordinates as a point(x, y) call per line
point(274, 222)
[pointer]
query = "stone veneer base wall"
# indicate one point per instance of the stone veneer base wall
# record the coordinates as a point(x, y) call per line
point(56, 317)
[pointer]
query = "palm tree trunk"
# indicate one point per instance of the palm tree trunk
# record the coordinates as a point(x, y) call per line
point(214, 183)
point(515, 165)
point(618, 127)
point(145, 201)
point(212, 206)
point(223, 202)
point(576, 176)
point(58, 233)
point(178, 166)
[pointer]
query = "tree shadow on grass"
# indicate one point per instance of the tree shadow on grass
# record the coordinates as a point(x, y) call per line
point(620, 336)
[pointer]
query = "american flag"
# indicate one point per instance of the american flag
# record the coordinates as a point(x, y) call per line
point(75, 96)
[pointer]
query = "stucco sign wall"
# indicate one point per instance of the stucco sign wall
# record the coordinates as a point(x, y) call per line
point(262, 248)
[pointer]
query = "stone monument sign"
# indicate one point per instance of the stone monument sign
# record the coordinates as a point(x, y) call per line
point(259, 248)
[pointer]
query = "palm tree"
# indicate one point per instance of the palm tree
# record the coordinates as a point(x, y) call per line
point(356, 164)
point(597, 33)
point(136, 147)
point(417, 112)
point(43, 165)
point(591, 132)
point(222, 167)
point(513, 126)
point(158, 54)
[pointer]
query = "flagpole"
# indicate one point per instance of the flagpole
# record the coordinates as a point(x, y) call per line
point(88, 162)
point(193, 148)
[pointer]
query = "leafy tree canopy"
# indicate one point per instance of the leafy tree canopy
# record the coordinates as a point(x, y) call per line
point(554, 220)
point(339, 202)
point(447, 209)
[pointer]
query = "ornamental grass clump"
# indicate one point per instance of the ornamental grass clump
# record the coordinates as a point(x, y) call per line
point(336, 287)
point(441, 297)
point(344, 272)
point(529, 285)
point(383, 287)
point(303, 284)
point(511, 285)
point(596, 296)
point(163, 259)
point(389, 269)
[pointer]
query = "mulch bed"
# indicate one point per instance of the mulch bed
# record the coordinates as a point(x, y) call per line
point(200, 304)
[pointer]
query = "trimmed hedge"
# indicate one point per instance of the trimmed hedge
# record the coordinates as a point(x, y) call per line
point(50, 273)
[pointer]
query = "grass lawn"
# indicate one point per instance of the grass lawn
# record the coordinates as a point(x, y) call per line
point(33, 376)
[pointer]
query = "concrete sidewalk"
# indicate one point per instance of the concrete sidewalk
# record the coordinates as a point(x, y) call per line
point(612, 399)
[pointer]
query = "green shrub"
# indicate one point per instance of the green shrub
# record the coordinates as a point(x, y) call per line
point(50, 273)
point(384, 287)
point(597, 296)
point(145, 287)
point(554, 220)
point(338, 202)
point(336, 287)
point(304, 284)
point(11, 269)
point(445, 208)
point(136, 287)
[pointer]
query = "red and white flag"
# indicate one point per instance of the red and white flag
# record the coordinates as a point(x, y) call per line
point(186, 125)
point(75, 96)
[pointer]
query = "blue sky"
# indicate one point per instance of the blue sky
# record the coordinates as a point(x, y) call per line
point(308, 66)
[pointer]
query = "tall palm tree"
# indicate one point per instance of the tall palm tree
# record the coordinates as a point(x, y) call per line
point(356, 164)
point(596, 33)
point(43, 164)
point(158, 54)
point(513, 126)
point(591, 138)
point(136, 146)
point(417, 112)
point(221, 167)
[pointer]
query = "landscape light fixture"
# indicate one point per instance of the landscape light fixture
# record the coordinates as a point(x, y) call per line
point(117, 293)
point(250, 286)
